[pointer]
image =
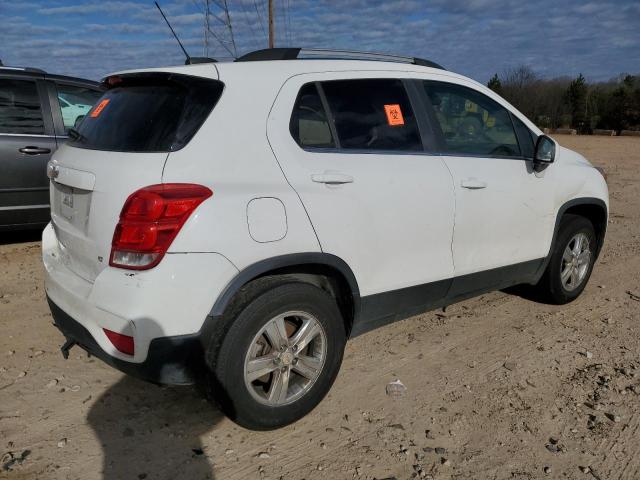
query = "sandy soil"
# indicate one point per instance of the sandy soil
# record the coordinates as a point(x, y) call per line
point(502, 387)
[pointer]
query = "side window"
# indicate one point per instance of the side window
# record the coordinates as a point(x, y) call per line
point(309, 125)
point(471, 123)
point(20, 110)
point(372, 114)
point(525, 137)
point(75, 102)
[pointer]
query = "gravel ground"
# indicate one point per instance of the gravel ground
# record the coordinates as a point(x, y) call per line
point(496, 387)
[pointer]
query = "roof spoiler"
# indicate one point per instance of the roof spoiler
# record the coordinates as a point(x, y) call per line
point(195, 60)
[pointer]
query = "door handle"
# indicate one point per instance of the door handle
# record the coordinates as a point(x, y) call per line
point(332, 178)
point(473, 184)
point(34, 150)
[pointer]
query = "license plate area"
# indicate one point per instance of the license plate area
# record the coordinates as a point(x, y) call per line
point(66, 202)
point(72, 205)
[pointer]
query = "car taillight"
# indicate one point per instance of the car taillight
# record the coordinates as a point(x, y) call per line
point(150, 220)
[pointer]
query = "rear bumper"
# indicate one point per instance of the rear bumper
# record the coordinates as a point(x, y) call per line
point(163, 309)
point(170, 360)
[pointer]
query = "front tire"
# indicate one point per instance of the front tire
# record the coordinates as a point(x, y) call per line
point(571, 262)
point(279, 356)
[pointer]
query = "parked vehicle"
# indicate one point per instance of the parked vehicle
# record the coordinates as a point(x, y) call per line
point(36, 111)
point(236, 223)
point(73, 113)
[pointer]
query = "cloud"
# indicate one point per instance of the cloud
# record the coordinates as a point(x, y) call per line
point(473, 37)
point(90, 8)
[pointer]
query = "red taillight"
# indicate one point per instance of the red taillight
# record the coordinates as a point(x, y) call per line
point(150, 220)
point(123, 343)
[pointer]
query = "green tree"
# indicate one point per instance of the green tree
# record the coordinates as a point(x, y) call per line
point(495, 84)
point(621, 106)
point(576, 98)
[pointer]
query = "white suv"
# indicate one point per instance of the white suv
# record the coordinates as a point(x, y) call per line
point(236, 223)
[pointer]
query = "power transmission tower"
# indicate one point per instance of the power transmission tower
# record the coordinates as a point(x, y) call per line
point(206, 29)
point(228, 17)
point(272, 35)
point(221, 28)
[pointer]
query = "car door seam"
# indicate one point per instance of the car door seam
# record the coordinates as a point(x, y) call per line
point(266, 133)
point(455, 201)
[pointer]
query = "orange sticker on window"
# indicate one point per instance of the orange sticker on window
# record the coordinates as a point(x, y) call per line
point(394, 115)
point(99, 108)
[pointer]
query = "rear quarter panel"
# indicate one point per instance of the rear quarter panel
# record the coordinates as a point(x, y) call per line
point(231, 155)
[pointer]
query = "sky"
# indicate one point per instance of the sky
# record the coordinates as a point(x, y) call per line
point(477, 38)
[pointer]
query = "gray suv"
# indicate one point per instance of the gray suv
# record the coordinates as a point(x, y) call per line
point(36, 111)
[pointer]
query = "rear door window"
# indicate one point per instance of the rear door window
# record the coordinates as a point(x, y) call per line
point(148, 113)
point(471, 123)
point(75, 102)
point(20, 110)
point(372, 114)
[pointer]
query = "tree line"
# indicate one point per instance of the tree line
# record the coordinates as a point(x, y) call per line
point(572, 103)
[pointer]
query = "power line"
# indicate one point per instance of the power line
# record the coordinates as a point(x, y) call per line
point(208, 29)
point(247, 16)
point(283, 22)
point(233, 41)
point(291, 36)
point(220, 41)
point(255, 4)
point(272, 37)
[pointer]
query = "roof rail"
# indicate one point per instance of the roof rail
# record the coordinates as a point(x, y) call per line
point(325, 54)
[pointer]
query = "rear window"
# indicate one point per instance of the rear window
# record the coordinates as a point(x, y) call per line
point(148, 113)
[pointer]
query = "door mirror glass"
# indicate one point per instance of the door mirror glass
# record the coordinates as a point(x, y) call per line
point(545, 151)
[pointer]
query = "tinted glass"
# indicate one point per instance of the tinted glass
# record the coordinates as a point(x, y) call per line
point(372, 115)
point(148, 113)
point(309, 125)
point(525, 137)
point(75, 102)
point(20, 107)
point(471, 123)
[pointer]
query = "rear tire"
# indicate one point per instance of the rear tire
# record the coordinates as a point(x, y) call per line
point(278, 332)
point(571, 262)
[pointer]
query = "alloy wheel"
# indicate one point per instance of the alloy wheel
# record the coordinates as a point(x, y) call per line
point(285, 358)
point(575, 262)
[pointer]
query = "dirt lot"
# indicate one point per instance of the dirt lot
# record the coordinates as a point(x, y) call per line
point(497, 387)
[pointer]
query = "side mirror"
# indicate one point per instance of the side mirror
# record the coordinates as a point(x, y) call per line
point(545, 151)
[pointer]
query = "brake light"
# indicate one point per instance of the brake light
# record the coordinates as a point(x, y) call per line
point(123, 343)
point(150, 220)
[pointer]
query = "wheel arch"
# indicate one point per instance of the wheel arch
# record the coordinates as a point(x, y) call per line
point(592, 208)
point(311, 267)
